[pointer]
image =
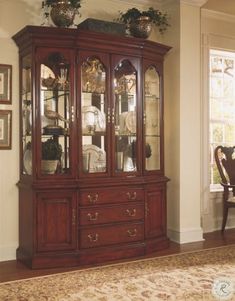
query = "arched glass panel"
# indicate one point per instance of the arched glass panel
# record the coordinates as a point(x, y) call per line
point(152, 119)
point(55, 125)
point(93, 107)
point(124, 117)
point(26, 115)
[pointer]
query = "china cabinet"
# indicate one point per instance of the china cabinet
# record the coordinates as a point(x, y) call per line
point(92, 186)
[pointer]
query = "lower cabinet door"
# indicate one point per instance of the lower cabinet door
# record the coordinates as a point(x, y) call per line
point(56, 221)
point(155, 214)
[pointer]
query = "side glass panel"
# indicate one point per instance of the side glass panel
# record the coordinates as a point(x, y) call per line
point(93, 107)
point(26, 115)
point(124, 116)
point(55, 97)
point(152, 119)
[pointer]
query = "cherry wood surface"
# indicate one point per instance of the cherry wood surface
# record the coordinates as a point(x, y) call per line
point(15, 270)
point(73, 217)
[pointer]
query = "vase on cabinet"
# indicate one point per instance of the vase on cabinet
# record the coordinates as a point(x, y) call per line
point(63, 13)
point(141, 27)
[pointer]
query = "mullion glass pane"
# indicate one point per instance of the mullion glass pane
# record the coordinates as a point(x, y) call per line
point(152, 119)
point(124, 117)
point(55, 104)
point(93, 107)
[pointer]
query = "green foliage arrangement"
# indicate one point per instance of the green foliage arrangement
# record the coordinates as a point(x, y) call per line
point(158, 18)
point(51, 150)
point(74, 3)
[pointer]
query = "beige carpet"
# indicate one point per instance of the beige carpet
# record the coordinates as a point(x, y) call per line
point(189, 276)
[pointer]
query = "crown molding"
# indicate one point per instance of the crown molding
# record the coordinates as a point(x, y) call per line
point(211, 14)
point(198, 3)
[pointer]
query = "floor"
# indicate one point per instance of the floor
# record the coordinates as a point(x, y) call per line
point(13, 270)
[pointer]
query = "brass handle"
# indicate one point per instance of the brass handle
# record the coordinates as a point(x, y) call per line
point(93, 237)
point(131, 212)
point(93, 217)
point(144, 118)
point(109, 117)
point(131, 196)
point(113, 116)
point(74, 217)
point(72, 113)
point(93, 198)
point(132, 233)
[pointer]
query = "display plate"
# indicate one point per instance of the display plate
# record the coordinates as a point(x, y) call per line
point(95, 156)
point(130, 121)
point(92, 118)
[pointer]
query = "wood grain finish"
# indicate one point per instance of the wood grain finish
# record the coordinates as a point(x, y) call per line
point(108, 235)
point(111, 214)
point(108, 196)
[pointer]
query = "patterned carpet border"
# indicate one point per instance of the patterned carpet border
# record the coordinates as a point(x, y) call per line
point(184, 276)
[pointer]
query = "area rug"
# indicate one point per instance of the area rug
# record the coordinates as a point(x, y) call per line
point(188, 276)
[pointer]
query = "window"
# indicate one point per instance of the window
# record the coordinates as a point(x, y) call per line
point(222, 106)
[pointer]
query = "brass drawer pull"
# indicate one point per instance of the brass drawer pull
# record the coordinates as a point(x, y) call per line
point(131, 212)
point(93, 217)
point(132, 233)
point(93, 198)
point(109, 117)
point(131, 196)
point(93, 238)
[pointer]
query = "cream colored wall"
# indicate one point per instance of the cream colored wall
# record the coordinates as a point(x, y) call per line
point(182, 98)
point(190, 83)
point(217, 32)
point(14, 15)
point(172, 117)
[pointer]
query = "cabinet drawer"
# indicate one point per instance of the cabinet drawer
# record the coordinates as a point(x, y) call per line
point(108, 196)
point(108, 235)
point(109, 214)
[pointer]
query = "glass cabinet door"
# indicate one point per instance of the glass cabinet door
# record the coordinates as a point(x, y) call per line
point(55, 113)
point(152, 119)
point(93, 116)
point(124, 117)
point(26, 123)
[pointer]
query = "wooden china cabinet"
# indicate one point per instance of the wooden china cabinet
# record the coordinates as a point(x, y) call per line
point(92, 186)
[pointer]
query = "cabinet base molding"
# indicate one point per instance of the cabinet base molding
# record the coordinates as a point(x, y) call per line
point(93, 256)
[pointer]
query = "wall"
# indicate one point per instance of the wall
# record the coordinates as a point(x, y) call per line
point(9, 162)
point(217, 32)
point(172, 117)
point(183, 124)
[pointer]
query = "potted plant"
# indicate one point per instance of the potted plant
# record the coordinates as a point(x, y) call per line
point(62, 12)
point(51, 154)
point(139, 23)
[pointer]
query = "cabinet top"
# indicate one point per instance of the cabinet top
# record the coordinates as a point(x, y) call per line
point(78, 38)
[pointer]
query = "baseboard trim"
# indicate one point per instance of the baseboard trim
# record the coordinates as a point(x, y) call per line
point(8, 252)
point(186, 236)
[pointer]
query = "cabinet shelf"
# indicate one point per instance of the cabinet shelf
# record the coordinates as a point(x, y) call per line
point(125, 135)
point(94, 134)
